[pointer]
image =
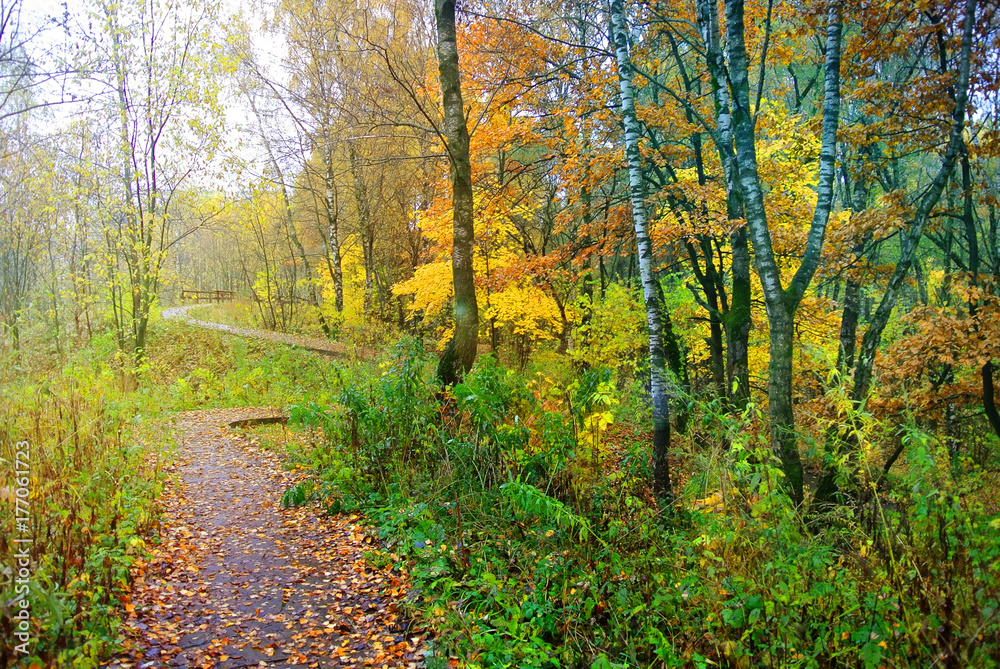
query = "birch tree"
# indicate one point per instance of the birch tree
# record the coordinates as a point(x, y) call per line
point(781, 301)
point(652, 291)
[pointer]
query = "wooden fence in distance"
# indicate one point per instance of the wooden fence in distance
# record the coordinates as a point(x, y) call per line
point(208, 295)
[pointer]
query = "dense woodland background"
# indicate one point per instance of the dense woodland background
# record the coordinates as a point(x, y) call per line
point(689, 310)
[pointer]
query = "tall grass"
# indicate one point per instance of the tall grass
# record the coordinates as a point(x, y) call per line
point(95, 472)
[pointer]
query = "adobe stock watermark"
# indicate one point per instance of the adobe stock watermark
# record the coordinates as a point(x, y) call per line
point(21, 569)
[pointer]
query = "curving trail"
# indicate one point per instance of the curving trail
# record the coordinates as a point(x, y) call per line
point(238, 581)
point(321, 346)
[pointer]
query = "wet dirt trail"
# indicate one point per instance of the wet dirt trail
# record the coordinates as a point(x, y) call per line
point(239, 581)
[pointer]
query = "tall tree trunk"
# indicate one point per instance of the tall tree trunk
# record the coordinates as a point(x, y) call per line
point(651, 289)
point(332, 221)
point(852, 289)
point(972, 242)
point(461, 350)
point(782, 303)
point(989, 396)
point(587, 217)
point(117, 300)
point(737, 320)
point(712, 285)
point(849, 326)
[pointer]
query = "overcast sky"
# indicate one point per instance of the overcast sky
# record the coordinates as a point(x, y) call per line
point(39, 14)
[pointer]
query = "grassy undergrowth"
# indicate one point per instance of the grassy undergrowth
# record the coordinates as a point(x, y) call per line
point(93, 481)
point(362, 334)
point(99, 440)
point(533, 543)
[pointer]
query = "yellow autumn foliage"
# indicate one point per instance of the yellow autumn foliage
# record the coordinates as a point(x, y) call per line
point(431, 288)
point(525, 310)
point(616, 336)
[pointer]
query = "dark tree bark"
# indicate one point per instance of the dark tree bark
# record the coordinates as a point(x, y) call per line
point(972, 242)
point(782, 303)
point(461, 350)
point(737, 319)
point(849, 326)
point(710, 278)
point(989, 396)
point(852, 289)
point(651, 289)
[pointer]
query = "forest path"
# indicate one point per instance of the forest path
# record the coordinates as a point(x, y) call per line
point(322, 346)
point(239, 581)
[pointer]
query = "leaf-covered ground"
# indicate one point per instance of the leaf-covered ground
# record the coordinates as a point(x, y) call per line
point(239, 581)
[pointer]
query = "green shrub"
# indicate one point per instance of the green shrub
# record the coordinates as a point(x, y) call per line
point(524, 557)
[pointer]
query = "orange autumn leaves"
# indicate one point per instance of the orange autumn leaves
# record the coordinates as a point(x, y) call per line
point(939, 357)
point(237, 581)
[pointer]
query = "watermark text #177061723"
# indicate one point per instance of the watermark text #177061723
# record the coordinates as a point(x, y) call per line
point(21, 605)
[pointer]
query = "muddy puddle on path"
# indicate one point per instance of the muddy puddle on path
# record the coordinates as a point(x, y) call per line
point(238, 581)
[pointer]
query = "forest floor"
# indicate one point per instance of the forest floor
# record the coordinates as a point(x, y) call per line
point(239, 581)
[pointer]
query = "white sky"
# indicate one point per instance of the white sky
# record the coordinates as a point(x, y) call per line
point(36, 14)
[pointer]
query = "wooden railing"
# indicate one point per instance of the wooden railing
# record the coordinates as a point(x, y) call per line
point(208, 295)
